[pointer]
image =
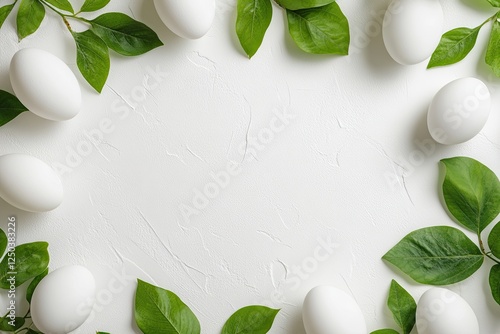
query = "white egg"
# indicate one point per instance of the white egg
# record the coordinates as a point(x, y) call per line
point(459, 111)
point(63, 300)
point(29, 183)
point(187, 18)
point(45, 84)
point(441, 311)
point(412, 29)
point(328, 310)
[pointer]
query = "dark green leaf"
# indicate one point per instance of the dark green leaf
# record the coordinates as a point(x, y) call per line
point(385, 331)
point(9, 325)
point(321, 30)
point(439, 255)
point(494, 240)
point(302, 4)
point(34, 284)
point(3, 242)
point(102, 333)
point(495, 282)
point(32, 331)
point(62, 4)
point(493, 51)
point(471, 192)
point(30, 261)
point(125, 35)
point(10, 107)
point(254, 17)
point(4, 12)
point(93, 5)
point(29, 17)
point(92, 58)
point(159, 311)
point(402, 306)
point(494, 3)
point(454, 46)
point(250, 320)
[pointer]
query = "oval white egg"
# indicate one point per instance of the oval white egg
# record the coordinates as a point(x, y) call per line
point(328, 310)
point(441, 311)
point(190, 19)
point(45, 84)
point(29, 183)
point(412, 30)
point(63, 300)
point(459, 111)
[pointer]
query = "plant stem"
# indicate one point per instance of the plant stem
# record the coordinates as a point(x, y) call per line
point(64, 16)
point(491, 18)
point(483, 250)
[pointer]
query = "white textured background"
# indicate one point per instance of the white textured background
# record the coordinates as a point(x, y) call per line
point(345, 170)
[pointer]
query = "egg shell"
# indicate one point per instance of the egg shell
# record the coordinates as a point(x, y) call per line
point(45, 84)
point(63, 300)
point(190, 19)
point(29, 183)
point(459, 111)
point(328, 310)
point(412, 29)
point(441, 311)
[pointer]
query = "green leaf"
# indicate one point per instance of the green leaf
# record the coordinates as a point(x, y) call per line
point(10, 107)
point(254, 17)
point(4, 12)
point(321, 30)
point(494, 240)
point(385, 331)
point(32, 331)
point(92, 58)
point(6, 324)
point(493, 53)
point(402, 306)
point(3, 242)
point(302, 4)
point(494, 281)
point(125, 35)
point(62, 4)
point(494, 3)
point(30, 261)
point(454, 46)
point(102, 333)
point(29, 17)
point(34, 284)
point(93, 5)
point(250, 320)
point(471, 192)
point(159, 311)
point(439, 255)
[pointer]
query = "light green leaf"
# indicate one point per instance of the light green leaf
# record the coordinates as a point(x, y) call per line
point(62, 4)
point(302, 4)
point(4, 12)
point(92, 58)
point(402, 306)
point(250, 320)
point(471, 192)
point(159, 311)
point(254, 17)
point(439, 255)
point(29, 17)
point(321, 30)
point(10, 108)
point(102, 333)
point(494, 281)
point(494, 240)
point(34, 283)
point(385, 331)
point(93, 5)
point(493, 51)
point(30, 261)
point(125, 35)
point(6, 324)
point(454, 46)
point(494, 3)
point(3, 240)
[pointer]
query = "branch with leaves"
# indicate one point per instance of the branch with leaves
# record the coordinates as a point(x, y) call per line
point(456, 44)
point(316, 26)
point(115, 31)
